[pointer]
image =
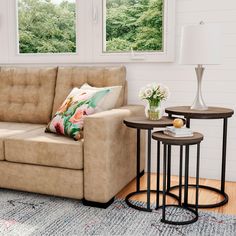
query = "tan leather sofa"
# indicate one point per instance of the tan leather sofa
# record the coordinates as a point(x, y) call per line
point(94, 169)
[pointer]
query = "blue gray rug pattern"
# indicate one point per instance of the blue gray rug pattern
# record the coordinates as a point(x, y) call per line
point(24, 214)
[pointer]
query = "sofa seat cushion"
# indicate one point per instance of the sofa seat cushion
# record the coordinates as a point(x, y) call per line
point(8, 129)
point(46, 149)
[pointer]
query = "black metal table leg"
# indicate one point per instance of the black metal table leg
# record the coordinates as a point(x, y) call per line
point(225, 124)
point(164, 186)
point(149, 169)
point(169, 168)
point(187, 122)
point(180, 174)
point(186, 168)
point(186, 175)
point(197, 176)
point(138, 162)
point(158, 175)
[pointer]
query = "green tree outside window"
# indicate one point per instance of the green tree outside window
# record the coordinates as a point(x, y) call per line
point(47, 26)
point(134, 24)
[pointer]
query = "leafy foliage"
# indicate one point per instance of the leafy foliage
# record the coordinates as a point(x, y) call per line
point(134, 24)
point(45, 27)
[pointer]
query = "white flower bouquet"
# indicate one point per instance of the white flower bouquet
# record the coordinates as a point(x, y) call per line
point(154, 93)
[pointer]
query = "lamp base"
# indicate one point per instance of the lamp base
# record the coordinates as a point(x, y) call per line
point(197, 107)
point(198, 103)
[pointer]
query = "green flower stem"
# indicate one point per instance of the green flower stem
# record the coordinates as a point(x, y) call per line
point(154, 103)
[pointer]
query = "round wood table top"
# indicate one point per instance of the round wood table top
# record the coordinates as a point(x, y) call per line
point(141, 122)
point(210, 113)
point(166, 139)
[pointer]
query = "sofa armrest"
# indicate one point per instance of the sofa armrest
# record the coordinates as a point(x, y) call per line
point(110, 153)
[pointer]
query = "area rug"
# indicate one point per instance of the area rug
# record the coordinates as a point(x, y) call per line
point(33, 214)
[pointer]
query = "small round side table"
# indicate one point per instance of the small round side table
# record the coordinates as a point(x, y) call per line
point(139, 123)
point(211, 113)
point(181, 142)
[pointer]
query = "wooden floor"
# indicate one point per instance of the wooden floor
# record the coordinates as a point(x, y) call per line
point(205, 196)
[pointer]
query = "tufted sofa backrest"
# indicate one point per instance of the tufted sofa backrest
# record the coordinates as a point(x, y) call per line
point(26, 94)
point(70, 77)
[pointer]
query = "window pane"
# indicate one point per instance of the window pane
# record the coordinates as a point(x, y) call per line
point(47, 26)
point(133, 25)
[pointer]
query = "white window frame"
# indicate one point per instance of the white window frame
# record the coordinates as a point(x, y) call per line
point(167, 55)
point(89, 45)
point(16, 57)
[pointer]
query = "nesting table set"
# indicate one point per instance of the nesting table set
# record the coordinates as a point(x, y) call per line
point(184, 143)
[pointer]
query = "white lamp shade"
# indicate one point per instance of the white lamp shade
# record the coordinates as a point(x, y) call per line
point(201, 44)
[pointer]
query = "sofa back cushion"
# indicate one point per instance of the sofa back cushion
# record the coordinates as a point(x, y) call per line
point(26, 94)
point(70, 77)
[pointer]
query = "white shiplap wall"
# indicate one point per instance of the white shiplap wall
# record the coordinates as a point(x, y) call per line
point(219, 85)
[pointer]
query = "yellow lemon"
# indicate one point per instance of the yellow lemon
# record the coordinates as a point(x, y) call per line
point(178, 123)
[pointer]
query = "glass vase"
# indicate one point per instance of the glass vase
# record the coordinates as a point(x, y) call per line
point(154, 111)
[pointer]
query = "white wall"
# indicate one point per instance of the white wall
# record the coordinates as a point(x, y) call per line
point(219, 86)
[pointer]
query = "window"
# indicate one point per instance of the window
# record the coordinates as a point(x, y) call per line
point(47, 26)
point(87, 31)
point(133, 25)
point(133, 30)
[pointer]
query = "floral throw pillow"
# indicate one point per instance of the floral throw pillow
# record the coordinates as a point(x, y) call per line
point(69, 119)
point(107, 102)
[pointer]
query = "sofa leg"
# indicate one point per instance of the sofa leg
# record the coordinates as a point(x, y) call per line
point(98, 204)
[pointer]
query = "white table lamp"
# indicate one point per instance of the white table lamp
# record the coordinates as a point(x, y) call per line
point(200, 45)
